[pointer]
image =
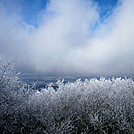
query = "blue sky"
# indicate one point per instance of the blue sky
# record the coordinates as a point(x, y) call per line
point(30, 9)
point(106, 7)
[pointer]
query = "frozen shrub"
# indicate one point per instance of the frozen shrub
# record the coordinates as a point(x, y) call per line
point(12, 95)
point(104, 106)
point(94, 106)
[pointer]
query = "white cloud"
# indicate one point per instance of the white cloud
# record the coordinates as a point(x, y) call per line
point(64, 43)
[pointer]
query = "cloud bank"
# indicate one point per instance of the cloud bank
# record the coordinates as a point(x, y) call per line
point(68, 42)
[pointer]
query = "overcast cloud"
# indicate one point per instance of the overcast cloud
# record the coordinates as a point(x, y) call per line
point(67, 41)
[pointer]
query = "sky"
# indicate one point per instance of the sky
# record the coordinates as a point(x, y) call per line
point(69, 37)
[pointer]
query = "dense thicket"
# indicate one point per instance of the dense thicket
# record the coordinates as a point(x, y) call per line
point(104, 106)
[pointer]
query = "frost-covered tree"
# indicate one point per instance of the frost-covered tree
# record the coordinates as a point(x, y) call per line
point(104, 106)
point(12, 95)
point(94, 106)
